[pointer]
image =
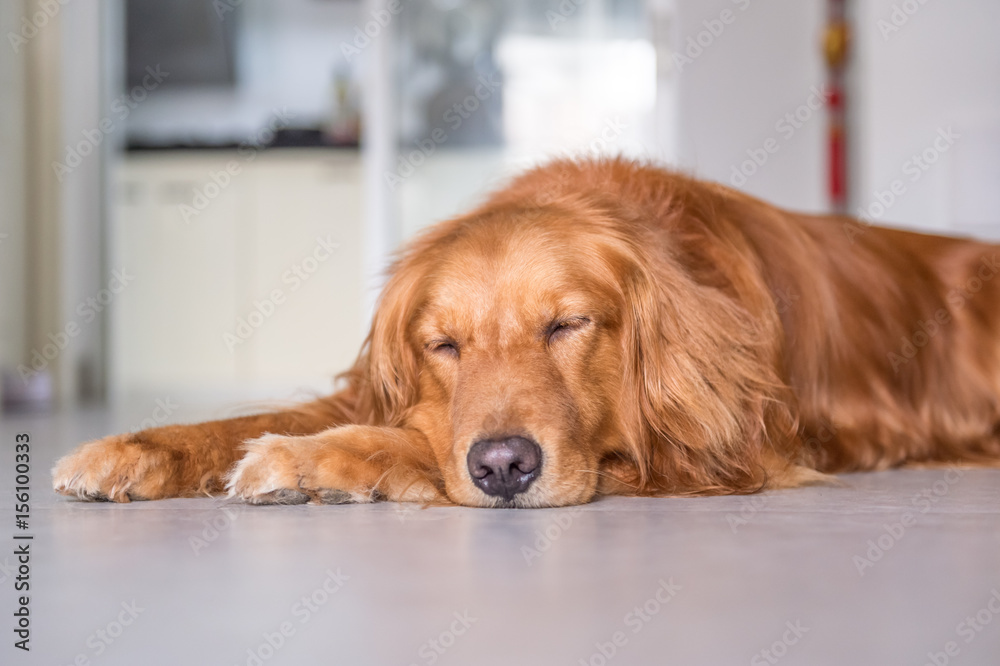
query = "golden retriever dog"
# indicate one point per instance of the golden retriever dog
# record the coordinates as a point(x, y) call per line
point(605, 327)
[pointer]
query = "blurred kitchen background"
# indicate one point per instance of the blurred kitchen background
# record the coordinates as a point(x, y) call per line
point(199, 197)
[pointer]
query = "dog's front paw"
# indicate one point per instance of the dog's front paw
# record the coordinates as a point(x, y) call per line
point(118, 468)
point(295, 470)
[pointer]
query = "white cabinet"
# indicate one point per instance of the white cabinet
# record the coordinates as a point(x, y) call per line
point(247, 272)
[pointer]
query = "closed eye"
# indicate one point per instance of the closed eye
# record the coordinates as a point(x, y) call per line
point(443, 347)
point(563, 328)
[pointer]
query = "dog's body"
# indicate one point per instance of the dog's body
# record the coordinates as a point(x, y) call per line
point(604, 327)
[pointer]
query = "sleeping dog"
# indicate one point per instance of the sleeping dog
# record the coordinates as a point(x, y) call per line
point(608, 327)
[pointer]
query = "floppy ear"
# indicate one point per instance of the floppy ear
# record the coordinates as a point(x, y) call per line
point(714, 413)
point(388, 367)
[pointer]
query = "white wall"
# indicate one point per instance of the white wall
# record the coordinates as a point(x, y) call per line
point(940, 69)
point(13, 241)
point(83, 87)
point(732, 95)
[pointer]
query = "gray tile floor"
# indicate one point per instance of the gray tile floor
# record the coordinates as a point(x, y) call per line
point(814, 576)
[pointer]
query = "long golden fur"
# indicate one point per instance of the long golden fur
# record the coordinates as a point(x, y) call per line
point(652, 334)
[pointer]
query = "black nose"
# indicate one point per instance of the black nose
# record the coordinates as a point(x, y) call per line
point(504, 467)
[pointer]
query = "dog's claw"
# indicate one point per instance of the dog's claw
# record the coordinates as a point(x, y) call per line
point(280, 496)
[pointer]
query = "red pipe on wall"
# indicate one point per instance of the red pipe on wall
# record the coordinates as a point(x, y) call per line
point(836, 40)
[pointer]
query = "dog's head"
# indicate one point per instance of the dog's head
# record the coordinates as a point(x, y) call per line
point(546, 352)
